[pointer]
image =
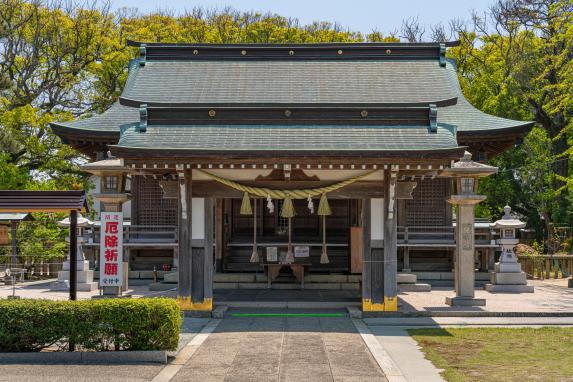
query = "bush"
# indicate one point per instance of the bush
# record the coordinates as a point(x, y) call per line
point(107, 324)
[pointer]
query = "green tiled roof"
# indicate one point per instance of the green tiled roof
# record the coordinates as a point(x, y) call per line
point(284, 138)
point(110, 120)
point(288, 82)
point(296, 82)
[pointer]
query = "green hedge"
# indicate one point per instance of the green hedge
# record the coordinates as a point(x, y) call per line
point(106, 324)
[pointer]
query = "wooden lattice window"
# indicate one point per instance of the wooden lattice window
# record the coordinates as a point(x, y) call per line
point(428, 206)
point(152, 208)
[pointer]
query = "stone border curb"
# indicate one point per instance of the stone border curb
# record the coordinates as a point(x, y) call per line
point(105, 357)
point(386, 363)
point(462, 313)
point(185, 354)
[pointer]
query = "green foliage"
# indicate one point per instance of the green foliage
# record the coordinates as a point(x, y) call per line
point(518, 63)
point(42, 239)
point(110, 324)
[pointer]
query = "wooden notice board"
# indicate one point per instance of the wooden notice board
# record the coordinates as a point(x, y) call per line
point(4, 239)
point(356, 246)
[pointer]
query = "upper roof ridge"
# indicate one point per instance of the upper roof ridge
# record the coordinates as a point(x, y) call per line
point(161, 51)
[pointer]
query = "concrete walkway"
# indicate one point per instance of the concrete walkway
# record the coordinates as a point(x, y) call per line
point(282, 349)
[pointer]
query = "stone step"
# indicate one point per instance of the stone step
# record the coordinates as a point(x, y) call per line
point(418, 287)
point(427, 276)
point(161, 286)
point(493, 288)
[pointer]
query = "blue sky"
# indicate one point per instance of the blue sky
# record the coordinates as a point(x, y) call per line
point(358, 15)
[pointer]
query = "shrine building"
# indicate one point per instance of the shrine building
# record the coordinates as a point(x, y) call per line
point(293, 159)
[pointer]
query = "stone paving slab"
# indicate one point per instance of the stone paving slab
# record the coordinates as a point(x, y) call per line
point(282, 349)
point(467, 321)
point(550, 296)
point(406, 353)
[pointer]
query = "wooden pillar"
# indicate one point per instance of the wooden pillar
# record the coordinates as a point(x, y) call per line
point(73, 254)
point(219, 241)
point(208, 254)
point(406, 266)
point(390, 242)
point(379, 274)
point(195, 249)
point(367, 256)
point(185, 229)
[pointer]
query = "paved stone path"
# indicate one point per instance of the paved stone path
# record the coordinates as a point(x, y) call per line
point(282, 349)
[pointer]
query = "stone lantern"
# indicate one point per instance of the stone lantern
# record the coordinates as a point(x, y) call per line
point(112, 177)
point(507, 275)
point(85, 276)
point(466, 173)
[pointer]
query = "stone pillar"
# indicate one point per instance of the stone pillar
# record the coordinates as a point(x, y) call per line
point(195, 291)
point(464, 270)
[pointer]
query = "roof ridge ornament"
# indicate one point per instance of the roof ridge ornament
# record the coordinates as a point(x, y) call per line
point(142, 54)
point(143, 118)
point(433, 115)
point(442, 55)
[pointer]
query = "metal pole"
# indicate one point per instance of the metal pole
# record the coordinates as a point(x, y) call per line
point(73, 254)
point(14, 226)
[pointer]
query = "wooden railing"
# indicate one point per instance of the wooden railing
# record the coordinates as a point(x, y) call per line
point(436, 235)
point(156, 234)
point(425, 235)
point(547, 266)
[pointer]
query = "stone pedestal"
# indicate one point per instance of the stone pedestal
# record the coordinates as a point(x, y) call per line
point(509, 282)
point(465, 301)
point(85, 277)
point(507, 276)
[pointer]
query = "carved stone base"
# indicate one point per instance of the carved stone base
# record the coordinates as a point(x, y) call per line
point(465, 301)
point(506, 278)
point(493, 288)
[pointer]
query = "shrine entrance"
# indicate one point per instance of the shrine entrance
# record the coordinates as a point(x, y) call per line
point(271, 236)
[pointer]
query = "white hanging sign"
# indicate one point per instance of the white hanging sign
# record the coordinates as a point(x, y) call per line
point(111, 249)
point(301, 252)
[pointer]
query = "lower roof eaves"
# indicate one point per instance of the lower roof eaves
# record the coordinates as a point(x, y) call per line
point(288, 140)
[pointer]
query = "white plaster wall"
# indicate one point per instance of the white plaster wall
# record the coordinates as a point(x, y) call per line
point(377, 219)
point(198, 216)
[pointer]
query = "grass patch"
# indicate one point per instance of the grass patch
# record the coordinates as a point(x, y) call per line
point(499, 354)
